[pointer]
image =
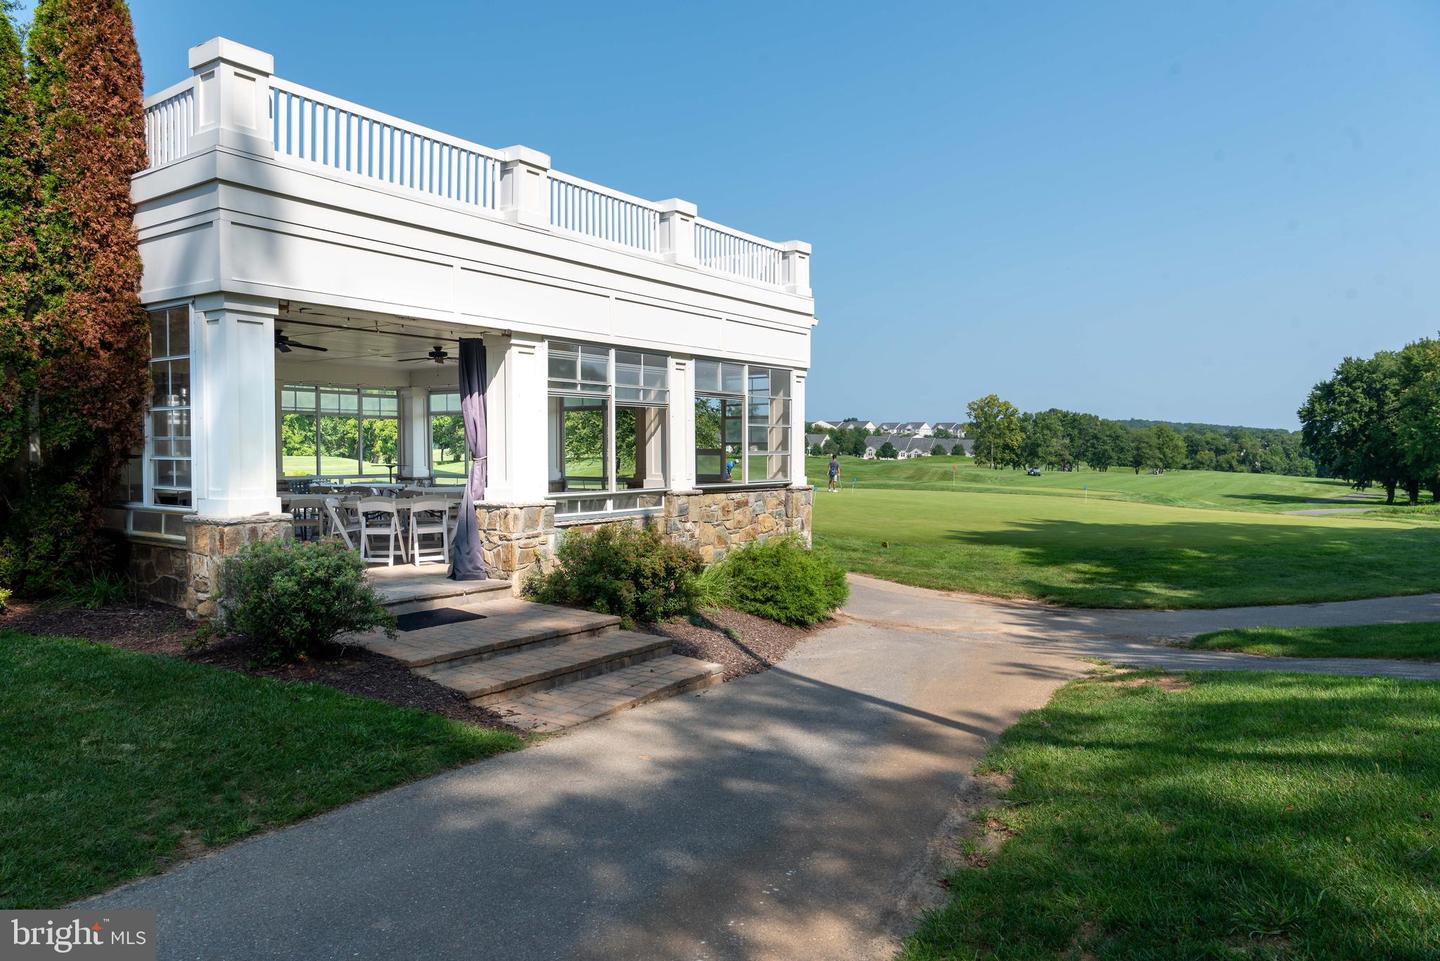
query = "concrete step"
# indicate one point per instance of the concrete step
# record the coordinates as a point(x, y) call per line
point(608, 694)
point(419, 588)
point(512, 676)
point(508, 624)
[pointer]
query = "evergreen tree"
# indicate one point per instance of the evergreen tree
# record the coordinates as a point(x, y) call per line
point(19, 202)
point(89, 334)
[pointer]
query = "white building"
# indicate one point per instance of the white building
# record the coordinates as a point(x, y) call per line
point(311, 265)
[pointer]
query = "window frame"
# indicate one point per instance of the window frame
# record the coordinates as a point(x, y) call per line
point(359, 393)
point(745, 397)
point(611, 499)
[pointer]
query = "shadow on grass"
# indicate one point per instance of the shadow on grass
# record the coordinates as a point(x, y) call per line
point(1250, 816)
point(1203, 563)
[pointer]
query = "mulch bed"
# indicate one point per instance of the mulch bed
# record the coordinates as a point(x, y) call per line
point(154, 629)
point(741, 643)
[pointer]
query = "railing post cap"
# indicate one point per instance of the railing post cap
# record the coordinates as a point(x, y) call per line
point(796, 246)
point(527, 155)
point(228, 51)
point(677, 206)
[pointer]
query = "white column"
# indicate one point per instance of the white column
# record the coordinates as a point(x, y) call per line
point(682, 423)
point(516, 428)
point(650, 446)
point(232, 92)
point(233, 368)
point(525, 186)
point(797, 428)
point(415, 432)
point(796, 266)
point(677, 231)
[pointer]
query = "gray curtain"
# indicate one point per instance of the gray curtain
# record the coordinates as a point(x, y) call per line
point(467, 563)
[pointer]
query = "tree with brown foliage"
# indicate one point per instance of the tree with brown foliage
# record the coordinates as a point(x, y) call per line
point(88, 330)
point(19, 206)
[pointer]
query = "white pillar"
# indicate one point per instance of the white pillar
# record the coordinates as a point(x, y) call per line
point(682, 423)
point(677, 231)
point(233, 368)
point(650, 446)
point(525, 186)
point(797, 428)
point(796, 266)
point(516, 428)
point(415, 432)
point(232, 93)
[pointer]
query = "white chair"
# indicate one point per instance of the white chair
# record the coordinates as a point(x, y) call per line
point(381, 539)
point(307, 515)
point(429, 518)
point(343, 521)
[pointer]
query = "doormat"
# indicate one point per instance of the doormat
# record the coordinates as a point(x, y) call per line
point(419, 620)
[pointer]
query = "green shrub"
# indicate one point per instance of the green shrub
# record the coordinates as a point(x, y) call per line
point(96, 591)
point(779, 580)
point(4, 598)
point(293, 598)
point(621, 569)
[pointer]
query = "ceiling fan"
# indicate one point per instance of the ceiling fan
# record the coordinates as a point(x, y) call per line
point(285, 344)
point(437, 354)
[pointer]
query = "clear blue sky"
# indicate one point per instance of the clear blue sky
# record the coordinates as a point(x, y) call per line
point(1181, 211)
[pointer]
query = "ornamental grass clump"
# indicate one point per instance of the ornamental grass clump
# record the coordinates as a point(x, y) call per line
point(780, 580)
point(295, 598)
point(623, 570)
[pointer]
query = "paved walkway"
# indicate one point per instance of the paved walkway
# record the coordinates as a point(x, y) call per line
point(782, 816)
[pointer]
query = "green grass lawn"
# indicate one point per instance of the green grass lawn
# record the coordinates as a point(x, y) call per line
point(1247, 817)
point(116, 763)
point(1121, 554)
point(1411, 642)
point(1189, 488)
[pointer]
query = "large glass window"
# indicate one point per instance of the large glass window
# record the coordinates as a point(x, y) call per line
point(169, 425)
point(449, 456)
point(608, 417)
point(339, 431)
point(742, 423)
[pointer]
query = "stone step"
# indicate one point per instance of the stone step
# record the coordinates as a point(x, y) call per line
point(608, 694)
point(419, 588)
point(507, 625)
point(539, 668)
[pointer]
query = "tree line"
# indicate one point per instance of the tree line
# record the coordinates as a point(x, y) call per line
point(1376, 421)
point(1054, 439)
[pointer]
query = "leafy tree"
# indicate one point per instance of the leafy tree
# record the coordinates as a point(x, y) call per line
point(938, 450)
point(1169, 451)
point(1419, 417)
point(1111, 445)
point(958, 450)
point(1350, 423)
point(996, 429)
point(887, 451)
point(19, 206)
point(447, 435)
point(942, 433)
point(84, 325)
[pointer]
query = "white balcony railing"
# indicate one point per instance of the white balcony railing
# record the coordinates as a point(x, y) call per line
point(313, 129)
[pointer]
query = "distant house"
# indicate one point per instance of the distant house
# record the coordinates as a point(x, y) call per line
point(955, 427)
point(915, 428)
point(822, 441)
point(889, 427)
point(865, 425)
point(907, 448)
point(822, 425)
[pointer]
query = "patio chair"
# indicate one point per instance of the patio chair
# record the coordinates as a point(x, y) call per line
point(307, 515)
point(381, 537)
point(343, 521)
point(429, 519)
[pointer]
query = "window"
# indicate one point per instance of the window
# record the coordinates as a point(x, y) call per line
point(742, 423)
point(449, 454)
point(339, 431)
point(168, 433)
point(608, 422)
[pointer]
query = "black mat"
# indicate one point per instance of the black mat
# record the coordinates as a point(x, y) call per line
point(419, 620)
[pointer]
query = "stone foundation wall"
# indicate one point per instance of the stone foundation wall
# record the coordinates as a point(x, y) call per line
point(209, 541)
point(713, 522)
point(515, 539)
point(158, 571)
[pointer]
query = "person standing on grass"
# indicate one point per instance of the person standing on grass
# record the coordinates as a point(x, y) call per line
point(834, 473)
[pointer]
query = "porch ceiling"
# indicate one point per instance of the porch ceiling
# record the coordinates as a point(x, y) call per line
point(370, 340)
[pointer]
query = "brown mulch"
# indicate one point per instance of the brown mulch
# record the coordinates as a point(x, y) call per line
point(740, 643)
point(154, 629)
